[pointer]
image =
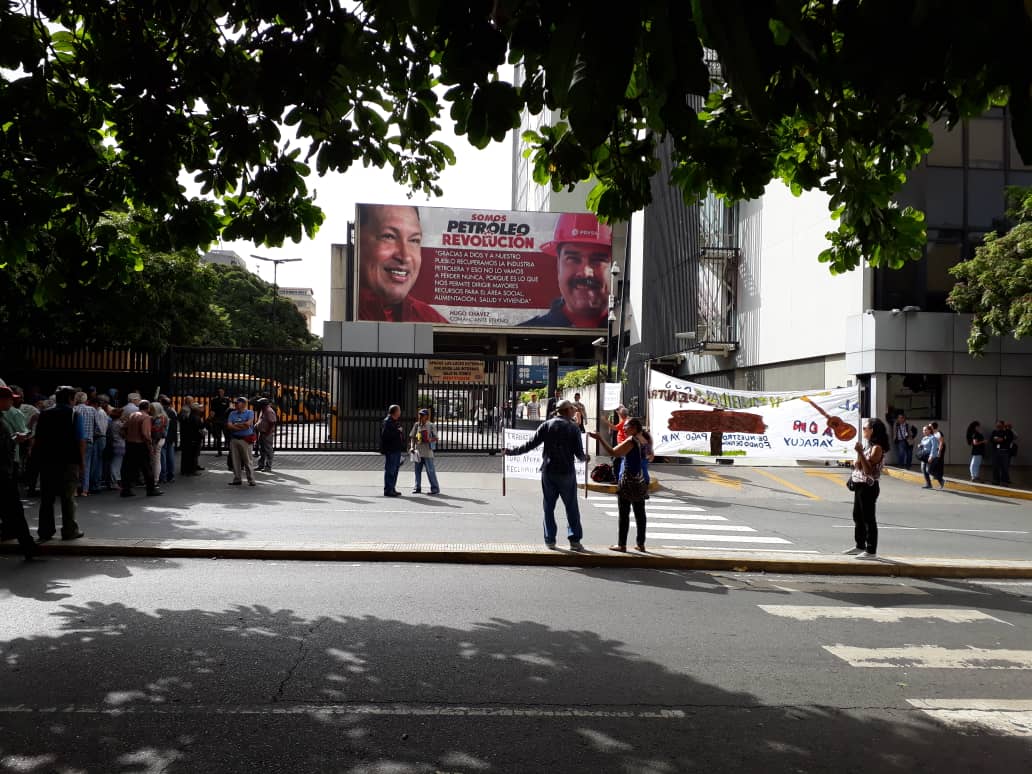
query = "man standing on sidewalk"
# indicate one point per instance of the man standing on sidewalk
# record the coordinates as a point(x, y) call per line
point(137, 432)
point(219, 410)
point(60, 452)
point(903, 436)
point(266, 428)
point(240, 429)
point(1000, 442)
point(562, 440)
point(12, 515)
point(392, 444)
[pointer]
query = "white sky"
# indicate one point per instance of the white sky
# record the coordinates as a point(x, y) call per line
point(479, 179)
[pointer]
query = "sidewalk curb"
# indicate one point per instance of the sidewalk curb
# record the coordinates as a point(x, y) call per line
point(530, 555)
point(957, 485)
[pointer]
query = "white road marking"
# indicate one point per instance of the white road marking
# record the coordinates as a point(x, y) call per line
point(713, 527)
point(409, 511)
point(696, 517)
point(829, 587)
point(1011, 717)
point(878, 614)
point(944, 529)
point(682, 508)
point(718, 538)
point(732, 549)
point(932, 657)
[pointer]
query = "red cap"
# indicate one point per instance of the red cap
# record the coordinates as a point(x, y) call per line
point(580, 227)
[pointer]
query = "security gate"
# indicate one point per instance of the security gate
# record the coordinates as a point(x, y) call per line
point(337, 400)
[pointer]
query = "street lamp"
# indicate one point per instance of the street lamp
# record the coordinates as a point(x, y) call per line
point(275, 285)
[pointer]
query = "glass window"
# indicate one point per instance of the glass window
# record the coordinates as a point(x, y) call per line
point(1015, 157)
point(985, 143)
point(941, 257)
point(944, 198)
point(985, 197)
point(1020, 178)
point(896, 288)
point(948, 148)
point(919, 396)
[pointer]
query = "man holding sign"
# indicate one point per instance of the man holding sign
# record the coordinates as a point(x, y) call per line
point(562, 440)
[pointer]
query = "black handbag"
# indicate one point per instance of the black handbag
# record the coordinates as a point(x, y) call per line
point(922, 454)
point(632, 487)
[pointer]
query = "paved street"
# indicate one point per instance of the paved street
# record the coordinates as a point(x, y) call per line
point(113, 665)
point(337, 498)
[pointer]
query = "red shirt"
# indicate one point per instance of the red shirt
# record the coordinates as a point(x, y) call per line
point(621, 431)
point(370, 307)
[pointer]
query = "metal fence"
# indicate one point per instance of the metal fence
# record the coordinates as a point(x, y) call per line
point(337, 400)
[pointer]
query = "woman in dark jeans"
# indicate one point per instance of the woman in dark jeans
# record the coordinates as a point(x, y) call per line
point(631, 452)
point(870, 459)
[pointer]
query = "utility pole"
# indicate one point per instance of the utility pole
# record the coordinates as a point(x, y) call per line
point(275, 285)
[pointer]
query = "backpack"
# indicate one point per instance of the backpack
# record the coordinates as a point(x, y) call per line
point(602, 474)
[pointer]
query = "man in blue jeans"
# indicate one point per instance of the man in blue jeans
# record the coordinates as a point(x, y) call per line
point(392, 444)
point(562, 439)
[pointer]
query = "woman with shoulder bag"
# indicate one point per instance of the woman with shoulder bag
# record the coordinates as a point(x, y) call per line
point(930, 455)
point(870, 459)
point(632, 488)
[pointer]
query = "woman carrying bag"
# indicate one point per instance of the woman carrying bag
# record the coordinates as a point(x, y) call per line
point(632, 488)
point(870, 460)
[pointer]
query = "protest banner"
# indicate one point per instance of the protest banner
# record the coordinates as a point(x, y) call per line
point(695, 420)
point(528, 466)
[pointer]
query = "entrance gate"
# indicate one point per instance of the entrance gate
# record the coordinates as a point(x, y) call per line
point(337, 400)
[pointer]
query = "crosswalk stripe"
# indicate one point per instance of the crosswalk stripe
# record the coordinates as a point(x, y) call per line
point(717, 538)
point(932, 657)
point(1011, 717)
point(675, 508)
point(679, 516)
point(821, 587)
point(877, 614)
point(712, 527)
point(739, 549)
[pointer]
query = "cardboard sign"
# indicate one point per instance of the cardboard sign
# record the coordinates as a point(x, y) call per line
point(611, 395)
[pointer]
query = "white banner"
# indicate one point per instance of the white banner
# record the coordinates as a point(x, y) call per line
point(694, 420)
point(611, 396)
point(529, 465)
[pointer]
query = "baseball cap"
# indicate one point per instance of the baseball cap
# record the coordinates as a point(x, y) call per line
point(241, 399)
point(5, 392)
point(424, 412)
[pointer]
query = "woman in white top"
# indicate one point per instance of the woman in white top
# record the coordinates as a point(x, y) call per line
point(867, 468)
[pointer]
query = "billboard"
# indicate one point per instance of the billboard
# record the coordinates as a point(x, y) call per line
point(489, 268)
point(696, 420)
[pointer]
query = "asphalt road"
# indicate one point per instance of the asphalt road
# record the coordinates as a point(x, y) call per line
point(339, 498)
point(196, 665)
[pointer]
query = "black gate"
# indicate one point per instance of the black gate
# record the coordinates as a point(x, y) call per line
point(336, 400)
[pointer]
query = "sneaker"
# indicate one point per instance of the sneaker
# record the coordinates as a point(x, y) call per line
point(927, 486)
point(435, 491)
point(235, 483)
point(74, 535)
point(576, 545)
point(942, 485)
point(867, 555)
point(155, 493)
point(417, 491)
point(853, 551)
point(392, 494)
point(550, 546)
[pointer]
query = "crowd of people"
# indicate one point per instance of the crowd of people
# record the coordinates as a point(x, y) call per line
point(929, 449)
point(81, 443)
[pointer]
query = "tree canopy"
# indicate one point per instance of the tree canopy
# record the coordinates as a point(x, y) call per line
point(173, 300)
point(102, 105)
point(996, 285)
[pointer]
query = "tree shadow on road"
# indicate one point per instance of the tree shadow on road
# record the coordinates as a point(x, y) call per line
point(249, 688)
